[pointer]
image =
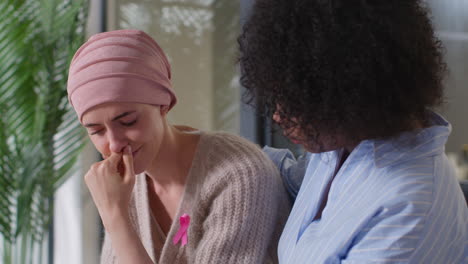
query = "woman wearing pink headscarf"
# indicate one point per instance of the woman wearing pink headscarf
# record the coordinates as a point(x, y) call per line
point(165, 194)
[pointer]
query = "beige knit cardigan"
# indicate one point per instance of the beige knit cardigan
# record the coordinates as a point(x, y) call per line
point(237, 204)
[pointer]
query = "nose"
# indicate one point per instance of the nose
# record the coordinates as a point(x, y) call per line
point(117, 141)
point(276, 117)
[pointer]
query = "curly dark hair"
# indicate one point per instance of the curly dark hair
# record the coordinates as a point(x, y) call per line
point(361, 69)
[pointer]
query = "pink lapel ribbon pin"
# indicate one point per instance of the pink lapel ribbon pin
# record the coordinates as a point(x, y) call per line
point(182, 233)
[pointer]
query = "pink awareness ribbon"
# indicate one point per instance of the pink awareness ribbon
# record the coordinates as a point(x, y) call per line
point(182, 233)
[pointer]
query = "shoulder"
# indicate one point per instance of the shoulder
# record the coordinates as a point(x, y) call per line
point(418, 172)
point(231, 141)
point(234, 152)
point(413, 163)
point(409, 184)
point(422, 207)
point(230, 161)
point(423, 184)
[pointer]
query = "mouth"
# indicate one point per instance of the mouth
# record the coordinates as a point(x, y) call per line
point(294, 141)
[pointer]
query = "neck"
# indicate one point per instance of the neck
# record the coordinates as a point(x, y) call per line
point(349, 148)
point(345, 154)
point(172, 164)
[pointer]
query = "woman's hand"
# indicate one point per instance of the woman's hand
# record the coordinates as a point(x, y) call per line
point(111, 183)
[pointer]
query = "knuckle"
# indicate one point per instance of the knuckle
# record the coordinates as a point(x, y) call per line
point(94, 167)
point(87, 178)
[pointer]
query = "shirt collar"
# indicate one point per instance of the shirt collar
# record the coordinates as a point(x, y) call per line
point(426, 142)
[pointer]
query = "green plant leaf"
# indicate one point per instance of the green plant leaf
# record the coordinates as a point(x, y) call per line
point(40, 137)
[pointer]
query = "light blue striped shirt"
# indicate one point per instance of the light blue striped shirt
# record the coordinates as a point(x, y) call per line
point(392, 201)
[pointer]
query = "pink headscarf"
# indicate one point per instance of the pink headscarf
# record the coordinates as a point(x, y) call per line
point(119, 66)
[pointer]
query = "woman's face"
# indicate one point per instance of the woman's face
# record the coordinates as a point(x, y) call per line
point(297, 136)
point(113, 126)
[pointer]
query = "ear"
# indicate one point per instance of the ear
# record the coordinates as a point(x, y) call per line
point(164, 109)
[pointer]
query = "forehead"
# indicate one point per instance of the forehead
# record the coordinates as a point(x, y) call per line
point(109, 111)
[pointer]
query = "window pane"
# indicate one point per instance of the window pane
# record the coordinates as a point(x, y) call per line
point(199, 38)
point(451, 23)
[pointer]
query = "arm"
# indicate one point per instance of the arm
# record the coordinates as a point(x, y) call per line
point(245, 218)
point(126, 244)
point(111, 187)
point(292, 170)
point(392, 236)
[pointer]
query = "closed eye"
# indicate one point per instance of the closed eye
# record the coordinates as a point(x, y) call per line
point(131, 123)
point(96, 132)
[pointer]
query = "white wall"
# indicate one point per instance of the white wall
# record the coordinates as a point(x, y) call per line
point(76, 229)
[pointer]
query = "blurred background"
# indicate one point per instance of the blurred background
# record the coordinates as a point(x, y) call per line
point(199, 37)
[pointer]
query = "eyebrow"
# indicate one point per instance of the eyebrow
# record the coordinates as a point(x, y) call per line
point(113, 119)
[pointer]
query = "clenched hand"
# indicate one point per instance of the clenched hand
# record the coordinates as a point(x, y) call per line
point(111, 183)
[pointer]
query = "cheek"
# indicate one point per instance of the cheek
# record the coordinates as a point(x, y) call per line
point(137, 134)
point(101, 145)
point(294, 133)
point(149, 131)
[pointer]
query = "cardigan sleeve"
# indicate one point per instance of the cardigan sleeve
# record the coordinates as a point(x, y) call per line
point(247, 210)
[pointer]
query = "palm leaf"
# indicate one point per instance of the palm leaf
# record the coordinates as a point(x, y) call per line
point(40, 136)
point(8, 185)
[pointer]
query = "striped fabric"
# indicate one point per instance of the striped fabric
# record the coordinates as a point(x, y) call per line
point(392, 201)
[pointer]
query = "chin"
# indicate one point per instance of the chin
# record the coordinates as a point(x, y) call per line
point(316, 148)
point(138, 170)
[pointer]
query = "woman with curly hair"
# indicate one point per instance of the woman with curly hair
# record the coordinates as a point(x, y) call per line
point(355, 82)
